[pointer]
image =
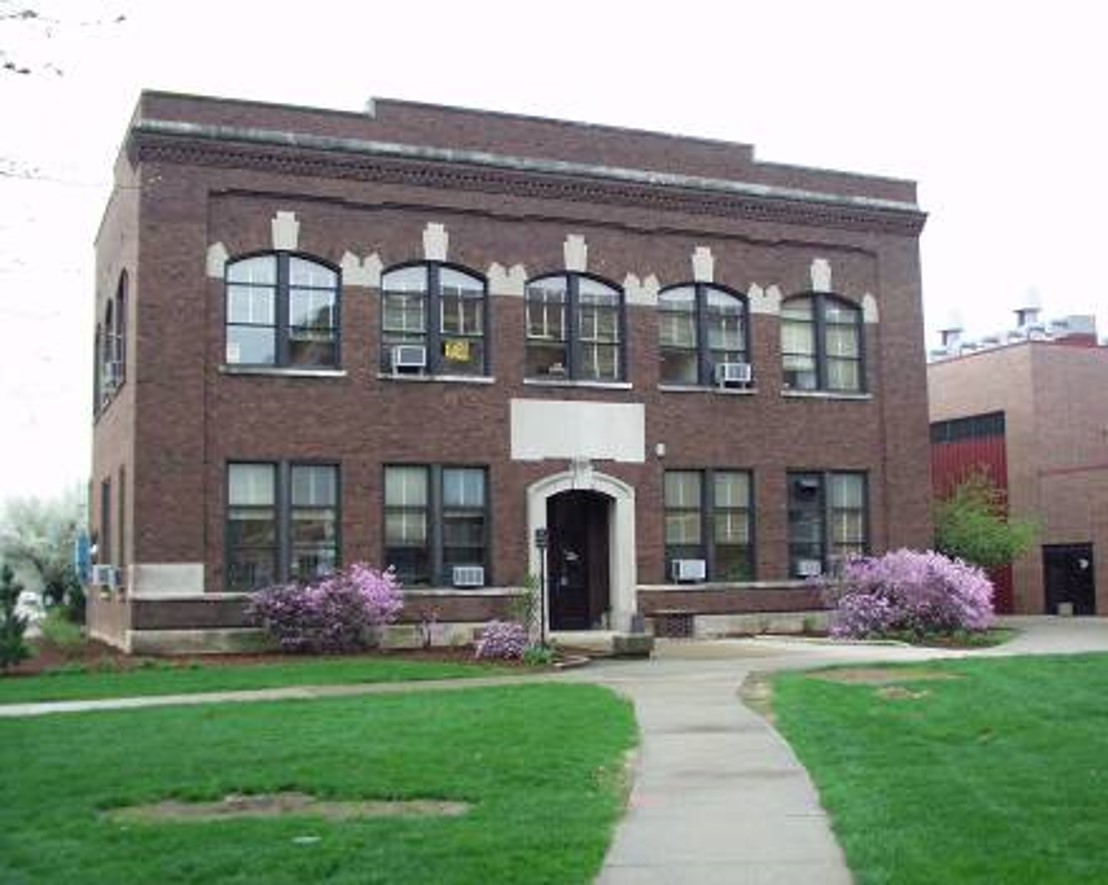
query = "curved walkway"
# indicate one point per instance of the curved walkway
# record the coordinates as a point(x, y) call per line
point(718, 796)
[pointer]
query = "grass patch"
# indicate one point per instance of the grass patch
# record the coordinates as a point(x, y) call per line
point(541, 767)
point(998, 774)
point(165, 677)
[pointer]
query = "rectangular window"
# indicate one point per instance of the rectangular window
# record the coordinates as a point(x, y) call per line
point(282, 523)
point(708, 515)
point(251, 526)
point(436, 518)
point(121, 501)
point(104, 544)
point(828, 519)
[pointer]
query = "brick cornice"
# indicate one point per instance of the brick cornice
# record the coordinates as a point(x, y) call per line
point(420, 166)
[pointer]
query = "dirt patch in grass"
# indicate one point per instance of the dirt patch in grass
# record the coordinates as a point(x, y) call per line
point(881, 675)
point(280, 804)
point(900, 693)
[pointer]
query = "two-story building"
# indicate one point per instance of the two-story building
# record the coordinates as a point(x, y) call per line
point(418, 336)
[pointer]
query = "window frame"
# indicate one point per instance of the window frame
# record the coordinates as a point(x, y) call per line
point(282, 508)
point(705, 363)
point(282, 289)
point(821, 303)
point(830, 555)
point(709, 512)
point(574, 344)
point(439, 574)
point(433, 334)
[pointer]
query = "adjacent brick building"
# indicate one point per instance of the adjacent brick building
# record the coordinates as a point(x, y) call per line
point(1031, 410)
point(418, 335)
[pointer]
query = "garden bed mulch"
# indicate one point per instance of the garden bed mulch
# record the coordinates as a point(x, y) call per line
point(93, 655)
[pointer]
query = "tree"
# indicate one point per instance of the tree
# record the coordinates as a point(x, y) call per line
point(973, 524)
point(37, 536)
point(12, 625)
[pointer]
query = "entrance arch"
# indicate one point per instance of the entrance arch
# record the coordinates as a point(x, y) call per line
point(609, 508)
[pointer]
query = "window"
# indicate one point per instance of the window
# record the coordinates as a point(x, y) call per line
point(708, 516)
point(973, 427)
point(436, 518)
point(121, 518)
point(282, 523)
point(700, 327)
point(104, 543)
point(120, 352)
point(439, 308)
point(574, 329)
point(282, 310)
point(828, 517)
point(821, 344)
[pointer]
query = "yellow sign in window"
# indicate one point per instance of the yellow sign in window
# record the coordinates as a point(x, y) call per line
point(457, 351)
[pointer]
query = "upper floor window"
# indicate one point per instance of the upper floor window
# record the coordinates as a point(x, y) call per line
point(703, 336)
point(709, 516)
point(821, 344)
point(433, 320)
point(828, 518)
point(282, 523)
point(575, 328)
point(282, 310)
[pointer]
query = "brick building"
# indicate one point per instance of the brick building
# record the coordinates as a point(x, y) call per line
point(1030, 408)
point(417, 335)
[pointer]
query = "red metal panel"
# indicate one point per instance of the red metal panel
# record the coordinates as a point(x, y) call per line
point(951, 463)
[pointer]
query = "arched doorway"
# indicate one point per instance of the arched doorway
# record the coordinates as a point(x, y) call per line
point(608, 501)
point(578, 559)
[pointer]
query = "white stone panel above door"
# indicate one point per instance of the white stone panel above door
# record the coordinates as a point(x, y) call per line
point(544, 429)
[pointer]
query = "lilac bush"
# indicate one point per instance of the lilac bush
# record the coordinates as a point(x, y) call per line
point(907, 591)
point(502, 640)
point(338, 613)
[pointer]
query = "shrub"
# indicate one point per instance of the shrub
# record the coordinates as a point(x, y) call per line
point(62, 634)
point(339, 613)
point(502, 640)
point(13, 648)
point(973, 524)
point(908, 592)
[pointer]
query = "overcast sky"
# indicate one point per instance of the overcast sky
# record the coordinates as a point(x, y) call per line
point(995, 109)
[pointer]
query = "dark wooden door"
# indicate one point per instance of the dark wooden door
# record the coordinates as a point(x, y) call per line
point(1068, 577)
point(577, 560)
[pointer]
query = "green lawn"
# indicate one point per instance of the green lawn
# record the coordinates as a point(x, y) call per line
point(541, 764)
point(173, 678)
point(999, 775)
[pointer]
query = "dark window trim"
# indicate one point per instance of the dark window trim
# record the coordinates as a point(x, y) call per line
point(826, 542)
point(705, 366)
point(282, 296)
point(437, 576)
point(708, 512)
point(282, 511)
point(104, 546)
point(572, 280)
point(819, 322)
point(983, 426)
point(433, 314)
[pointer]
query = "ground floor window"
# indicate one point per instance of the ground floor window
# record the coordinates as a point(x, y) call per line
point(282, 523)
point(828, 520)
point(708, 516)
point(436, 519)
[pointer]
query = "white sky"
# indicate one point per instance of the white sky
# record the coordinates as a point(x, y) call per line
point(995, 109)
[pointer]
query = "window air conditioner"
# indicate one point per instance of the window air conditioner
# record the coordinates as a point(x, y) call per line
point(688, 570)
point(469, 576)
point(409, 357)
point(809, 568)
point(733, 374)
point(104, 576)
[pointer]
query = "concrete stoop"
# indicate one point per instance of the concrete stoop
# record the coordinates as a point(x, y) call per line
point(604, 643)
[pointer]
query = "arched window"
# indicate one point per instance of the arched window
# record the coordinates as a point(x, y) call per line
point(703, 335)
point(109, 364)
point(282, 310)
point(821, 344)
point(433, 318)
point(575, 328)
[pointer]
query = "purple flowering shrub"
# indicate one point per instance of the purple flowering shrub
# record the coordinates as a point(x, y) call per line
point(909, 592)
point(338, 613)
point(502, 640)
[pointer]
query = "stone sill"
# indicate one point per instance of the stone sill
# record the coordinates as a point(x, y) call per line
point(826, 395)
point(280, 371)
point(424, 379)
point(692, 388)
point(569, 382)
point(786, 584)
